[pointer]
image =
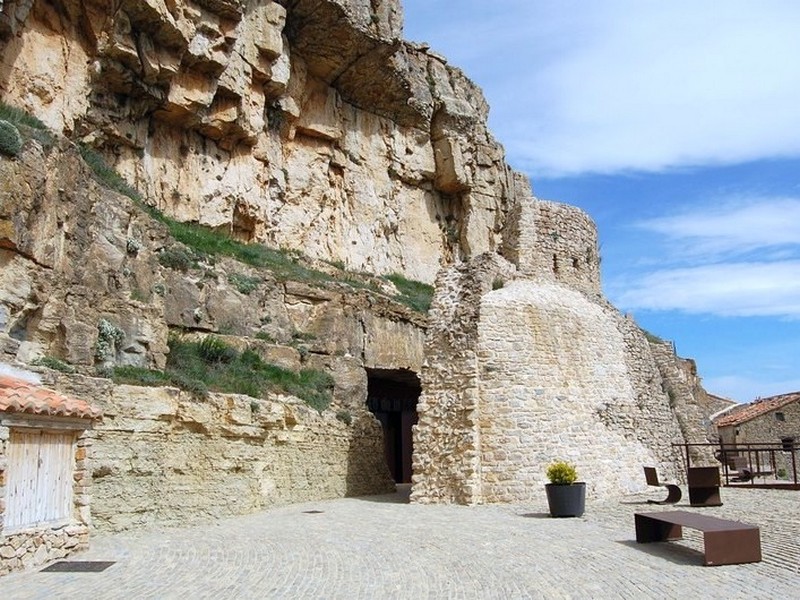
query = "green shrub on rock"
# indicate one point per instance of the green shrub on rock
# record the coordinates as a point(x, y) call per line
point(10, 139)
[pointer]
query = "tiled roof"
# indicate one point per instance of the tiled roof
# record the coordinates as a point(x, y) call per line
point(756, 409)
point(19, 396)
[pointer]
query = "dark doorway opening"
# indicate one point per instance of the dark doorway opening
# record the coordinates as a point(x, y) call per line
point(392, 396)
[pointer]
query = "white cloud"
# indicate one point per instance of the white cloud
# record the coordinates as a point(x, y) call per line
point(624, 85)
point(732, 289)
point(747, 389)
point(736, 257)
point(732, 227)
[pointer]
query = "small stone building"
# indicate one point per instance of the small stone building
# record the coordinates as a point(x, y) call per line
point(774, 420)
point(44, 477)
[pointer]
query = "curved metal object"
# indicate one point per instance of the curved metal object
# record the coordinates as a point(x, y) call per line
point(674, 493)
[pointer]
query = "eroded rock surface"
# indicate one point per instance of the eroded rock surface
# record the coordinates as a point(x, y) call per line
point(307, 124)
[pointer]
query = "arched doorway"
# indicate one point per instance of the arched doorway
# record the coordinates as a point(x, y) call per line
point(392, 396)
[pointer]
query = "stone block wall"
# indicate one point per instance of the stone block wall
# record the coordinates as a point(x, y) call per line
point(684, 393)
point(446, 460)
point(32, 546)
point(566, 247)
point(163, 457)
point(524, 370)
point(767, 428)
point(551, 361)
point(549, 240)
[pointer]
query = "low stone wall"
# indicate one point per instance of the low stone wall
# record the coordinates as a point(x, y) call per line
point(29, 548)
point(163, 457)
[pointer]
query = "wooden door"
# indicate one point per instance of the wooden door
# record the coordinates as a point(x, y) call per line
point(38, 477)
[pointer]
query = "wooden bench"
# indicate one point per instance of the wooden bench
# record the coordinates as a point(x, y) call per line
point(725, 542)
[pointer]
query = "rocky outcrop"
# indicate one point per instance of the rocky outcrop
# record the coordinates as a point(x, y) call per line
point(76, 255)
point(92, 281)
point(306, 124)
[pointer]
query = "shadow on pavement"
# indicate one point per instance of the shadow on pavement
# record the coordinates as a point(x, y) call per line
point(671, 551)
point(401, 496)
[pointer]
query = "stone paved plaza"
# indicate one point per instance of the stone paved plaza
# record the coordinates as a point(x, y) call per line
point(382, 547)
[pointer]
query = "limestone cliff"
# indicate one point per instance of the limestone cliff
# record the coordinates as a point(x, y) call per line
point(305, 124)
point(312, 127)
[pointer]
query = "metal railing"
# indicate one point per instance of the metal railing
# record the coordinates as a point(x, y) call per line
point(748, 462)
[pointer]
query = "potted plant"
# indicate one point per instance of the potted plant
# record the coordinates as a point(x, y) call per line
point(566, 497)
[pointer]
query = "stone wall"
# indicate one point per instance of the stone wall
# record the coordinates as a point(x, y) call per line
point(528, 364)
point(164, 457)
point(686, 398)
point(36, 545)
point(556, 385)
point(549, 240)
point(446, 460)
point(566, 247)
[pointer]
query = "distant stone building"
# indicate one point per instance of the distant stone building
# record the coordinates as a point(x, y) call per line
point(44, 478)
point(774, 420)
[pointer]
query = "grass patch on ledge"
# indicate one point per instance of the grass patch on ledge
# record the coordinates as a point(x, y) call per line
point(414, 294)
point(213, 365)
point(26, 124)
point(285, 265)
point(20, 117)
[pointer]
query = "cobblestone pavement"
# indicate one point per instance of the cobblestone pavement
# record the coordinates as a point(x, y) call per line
point(381, 547)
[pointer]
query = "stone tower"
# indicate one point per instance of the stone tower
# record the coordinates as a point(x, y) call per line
point(527, 363)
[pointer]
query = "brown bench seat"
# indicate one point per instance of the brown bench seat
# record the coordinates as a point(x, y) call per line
point(725, 542)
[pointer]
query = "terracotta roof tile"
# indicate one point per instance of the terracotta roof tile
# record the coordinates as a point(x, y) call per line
point(756, 409)
point(19, 396)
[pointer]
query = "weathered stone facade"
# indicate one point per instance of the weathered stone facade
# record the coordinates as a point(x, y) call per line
point(162, 456)
point(552, 241)
point(311, 126)
point(531, 365)
point(774, 421)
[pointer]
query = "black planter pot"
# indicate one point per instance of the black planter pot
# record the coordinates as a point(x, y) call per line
point(566, 500)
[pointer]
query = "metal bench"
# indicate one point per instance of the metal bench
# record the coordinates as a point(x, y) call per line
point(725, 542)
point(703, 485)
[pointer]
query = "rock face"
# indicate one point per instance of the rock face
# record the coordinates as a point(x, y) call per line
point(299, 124)
point(90, 279)
point(309, 126)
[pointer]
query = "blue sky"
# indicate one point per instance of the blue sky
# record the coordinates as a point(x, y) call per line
point(676, 126)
